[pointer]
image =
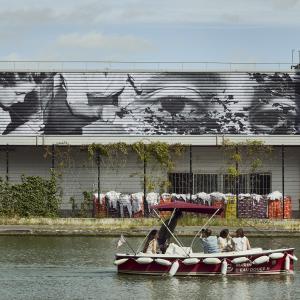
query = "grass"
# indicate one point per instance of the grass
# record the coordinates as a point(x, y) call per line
point(131, 224)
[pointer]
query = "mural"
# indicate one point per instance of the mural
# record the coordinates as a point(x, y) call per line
point(149, 103)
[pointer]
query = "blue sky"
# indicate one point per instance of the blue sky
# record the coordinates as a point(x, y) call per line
point(165, 30)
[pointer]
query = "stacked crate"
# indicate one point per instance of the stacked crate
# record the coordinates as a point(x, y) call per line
point(100, 207)
point(287, 207)
point(260, 207)
point(165, 198)
point(245, 207)
point(275, 209)
point(230, 211)
point(218, 200)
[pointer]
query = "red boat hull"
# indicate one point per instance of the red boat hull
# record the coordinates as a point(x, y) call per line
point(273, 266)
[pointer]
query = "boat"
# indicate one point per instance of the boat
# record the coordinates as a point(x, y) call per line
point(179, 260)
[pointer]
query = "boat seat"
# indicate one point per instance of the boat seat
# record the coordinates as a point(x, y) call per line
point(177, 250)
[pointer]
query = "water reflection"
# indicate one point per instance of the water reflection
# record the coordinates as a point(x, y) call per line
point(81, 268)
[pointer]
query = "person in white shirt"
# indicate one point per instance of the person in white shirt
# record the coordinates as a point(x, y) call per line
point(225, 241)
point(241, 242)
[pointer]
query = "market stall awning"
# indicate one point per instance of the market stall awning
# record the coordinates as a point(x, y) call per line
point(187, 207)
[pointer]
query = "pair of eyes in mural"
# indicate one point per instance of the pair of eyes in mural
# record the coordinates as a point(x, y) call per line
point(171, 100)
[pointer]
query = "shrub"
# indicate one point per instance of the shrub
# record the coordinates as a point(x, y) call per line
point(34, 196)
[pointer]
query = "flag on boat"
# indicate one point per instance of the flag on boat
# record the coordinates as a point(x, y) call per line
point(121, 241)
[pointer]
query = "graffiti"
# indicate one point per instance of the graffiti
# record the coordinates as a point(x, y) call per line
point(149, 103)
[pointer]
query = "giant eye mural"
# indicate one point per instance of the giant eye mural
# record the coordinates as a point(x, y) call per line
point(149, 103)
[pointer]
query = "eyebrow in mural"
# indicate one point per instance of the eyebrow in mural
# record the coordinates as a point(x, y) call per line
point(149, 103)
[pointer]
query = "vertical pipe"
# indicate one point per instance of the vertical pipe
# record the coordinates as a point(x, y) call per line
point(282, 174)
point(237, 183)
point(7, 162)
point(53, 157)
point(98, 177)
point(191, 173)
point(146, 211)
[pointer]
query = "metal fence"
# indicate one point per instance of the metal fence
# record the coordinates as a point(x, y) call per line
point(94, 66)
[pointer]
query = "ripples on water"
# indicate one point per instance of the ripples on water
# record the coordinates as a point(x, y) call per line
point(81, 268)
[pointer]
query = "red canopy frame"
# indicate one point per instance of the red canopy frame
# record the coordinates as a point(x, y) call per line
point(188, 207)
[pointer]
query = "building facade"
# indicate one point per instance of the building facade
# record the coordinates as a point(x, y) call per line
point(47, 118)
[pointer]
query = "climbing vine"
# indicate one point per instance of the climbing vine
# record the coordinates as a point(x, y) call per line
point(252, 152)
point(154, 153)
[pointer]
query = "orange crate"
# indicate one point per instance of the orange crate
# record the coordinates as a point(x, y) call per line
point(275, 209)
point(219, 203)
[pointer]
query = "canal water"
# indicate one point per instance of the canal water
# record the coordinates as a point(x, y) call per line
point(81, 268)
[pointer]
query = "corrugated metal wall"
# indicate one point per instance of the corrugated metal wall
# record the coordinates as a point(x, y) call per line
point(148, 103)
point(126, 176)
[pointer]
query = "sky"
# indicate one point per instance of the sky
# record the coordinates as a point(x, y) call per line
point(156, 30)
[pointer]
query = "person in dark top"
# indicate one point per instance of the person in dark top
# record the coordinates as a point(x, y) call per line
point(164, 234)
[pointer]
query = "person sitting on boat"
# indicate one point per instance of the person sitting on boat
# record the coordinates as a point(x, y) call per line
point(164, 234)
point(241, 242)
point(150, 246)
point(209, 242)
point(225, 241)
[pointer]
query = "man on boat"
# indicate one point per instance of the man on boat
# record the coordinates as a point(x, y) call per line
point(165, 230)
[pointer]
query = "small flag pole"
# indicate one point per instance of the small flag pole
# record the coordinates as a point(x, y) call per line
point(125, 241)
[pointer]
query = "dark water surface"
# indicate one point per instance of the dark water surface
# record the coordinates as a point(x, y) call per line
point(81, 268)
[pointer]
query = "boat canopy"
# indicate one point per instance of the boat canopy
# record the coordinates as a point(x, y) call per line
point(188, 207)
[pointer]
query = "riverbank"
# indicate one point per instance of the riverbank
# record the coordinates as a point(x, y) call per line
point(140, 227)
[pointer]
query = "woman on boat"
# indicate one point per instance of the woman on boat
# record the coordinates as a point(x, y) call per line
point(241, 242)
point(150, 246)
point(225, 241)
point(209, 242)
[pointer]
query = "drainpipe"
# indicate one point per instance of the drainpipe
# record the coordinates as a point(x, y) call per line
point(282, 177)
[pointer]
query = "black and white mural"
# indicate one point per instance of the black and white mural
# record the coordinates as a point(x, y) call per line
point(149, 103)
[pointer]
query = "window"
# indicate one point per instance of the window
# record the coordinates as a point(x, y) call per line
point(180, 183)
point(257, 183)
point(230, 183)
point(260, 183)
point(207, 183)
